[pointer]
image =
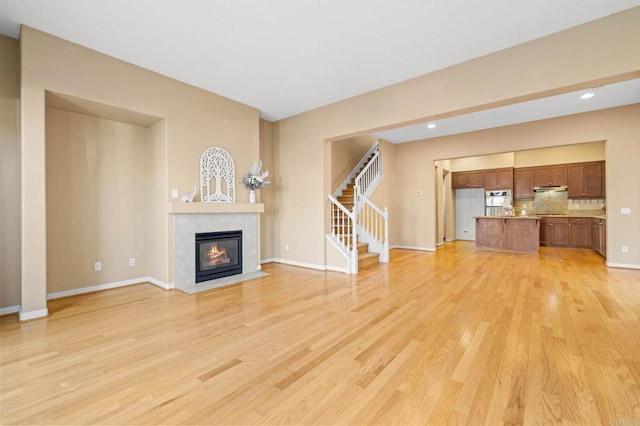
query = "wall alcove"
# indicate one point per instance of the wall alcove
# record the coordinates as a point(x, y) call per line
point(105, 194)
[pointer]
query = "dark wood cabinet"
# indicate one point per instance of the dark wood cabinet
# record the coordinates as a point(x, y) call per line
point(594, 233)
point(523, 183)
point(518, 235)
point(603, 238)
point(579, 232)
point(554, 231)
point(586, 180)
point(550, 175)
point(496, 179)
point(491, 180)
point(460, 180)
point(505, 178)
point(473, 179)
point(594, 179)
point(598, 235)
point(476, 179)
point(575, 178)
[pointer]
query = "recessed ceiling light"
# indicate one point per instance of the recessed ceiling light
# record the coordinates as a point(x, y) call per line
point(587, 95)
point(431, 126)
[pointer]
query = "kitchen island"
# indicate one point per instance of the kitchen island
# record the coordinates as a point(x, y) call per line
point(517, 234)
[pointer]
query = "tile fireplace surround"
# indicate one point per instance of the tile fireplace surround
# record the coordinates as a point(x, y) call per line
point(192, 218)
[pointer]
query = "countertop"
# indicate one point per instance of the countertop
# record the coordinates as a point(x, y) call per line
point(587, 213)
point(506, 217)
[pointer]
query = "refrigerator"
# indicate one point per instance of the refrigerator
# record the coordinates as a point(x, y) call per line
point(469, 203)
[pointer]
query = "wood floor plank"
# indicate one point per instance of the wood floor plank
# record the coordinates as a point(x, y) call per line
point(456, 336)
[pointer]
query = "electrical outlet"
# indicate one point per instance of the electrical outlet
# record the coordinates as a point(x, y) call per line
point(418, 192)
point(625, 249)
point(97, 266)
point(132, 261)
point(286, 247)
point(625, 210)
point(175, 193)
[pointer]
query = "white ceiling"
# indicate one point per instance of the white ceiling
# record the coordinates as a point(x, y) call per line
point(285, 57)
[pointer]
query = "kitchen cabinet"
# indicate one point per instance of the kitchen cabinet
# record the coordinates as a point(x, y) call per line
point(598, 235)
point(586, 180)
point(579, 229)
point(523, 183)
point(495, 179)
point(460, 180)
point(550, 175)
point(554, 231)
point(474, 179)
point(510, 234)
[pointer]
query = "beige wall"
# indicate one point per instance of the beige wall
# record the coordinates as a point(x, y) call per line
point(593, 151)
point(345, 155)
point(194, 121)
point(9, 172)
point(582, 152)
point(159, 252)
point(266, 196)
point(577, 58)
point(492, 161)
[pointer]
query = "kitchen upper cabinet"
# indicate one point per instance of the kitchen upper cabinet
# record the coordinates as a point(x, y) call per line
point(460, 180)
point(495, 179)
point(523, 183)
point(594, 179)
point(476, 179)
point(554, 231)
point(473, 179)
point(550, 175)
point(586, 180)
point(579, 232)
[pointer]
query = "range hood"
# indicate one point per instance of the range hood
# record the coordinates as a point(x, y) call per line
point(551, 188)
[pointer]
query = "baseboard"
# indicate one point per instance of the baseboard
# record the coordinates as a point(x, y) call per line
point(337, 269)
point(9, 310)
point(304, 265)
point(414, 248)
point(622, 265)
point(26, 316)
point(161, 284)
point(108, 286)
point(268, 260)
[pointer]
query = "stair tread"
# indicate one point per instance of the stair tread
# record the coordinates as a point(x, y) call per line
point(368, 255)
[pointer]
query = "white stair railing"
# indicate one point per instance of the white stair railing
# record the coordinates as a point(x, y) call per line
point(368, 178)
point(354, 172)
point(343, 233)
point(373, 222)
point(373, 228)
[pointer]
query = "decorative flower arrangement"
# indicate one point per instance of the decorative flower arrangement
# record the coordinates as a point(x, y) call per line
point(255, 178)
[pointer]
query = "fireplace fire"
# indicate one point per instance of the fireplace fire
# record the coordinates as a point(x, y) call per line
point(218, 254)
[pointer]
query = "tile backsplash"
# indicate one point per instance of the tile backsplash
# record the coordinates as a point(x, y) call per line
point(595, 204)
point(563, 205)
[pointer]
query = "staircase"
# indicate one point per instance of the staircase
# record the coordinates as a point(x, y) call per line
point(366, 258)
point(359, 227)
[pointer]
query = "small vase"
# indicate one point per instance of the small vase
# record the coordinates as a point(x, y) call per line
point(252, 197)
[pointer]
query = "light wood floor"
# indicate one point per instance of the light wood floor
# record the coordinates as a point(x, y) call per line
point(456, 336)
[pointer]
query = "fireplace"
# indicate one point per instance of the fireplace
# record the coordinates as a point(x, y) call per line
point(218, 254)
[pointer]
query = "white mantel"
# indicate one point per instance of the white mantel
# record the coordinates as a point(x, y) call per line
point(192, 218)
point(178, 207)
